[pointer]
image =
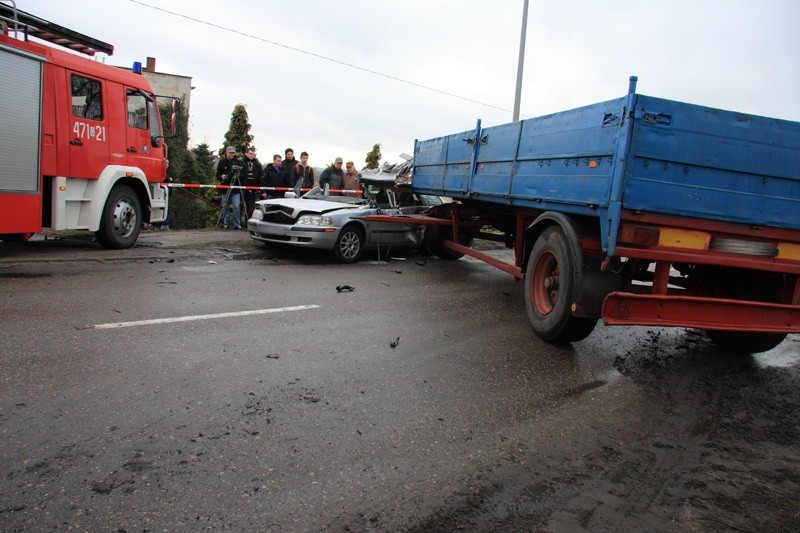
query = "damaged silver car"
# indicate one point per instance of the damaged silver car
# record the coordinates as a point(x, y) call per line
point(331, 222)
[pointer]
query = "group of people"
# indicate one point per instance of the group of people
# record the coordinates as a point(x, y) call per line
point(284, 173)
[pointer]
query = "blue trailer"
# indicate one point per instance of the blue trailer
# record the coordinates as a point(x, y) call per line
point(638, 210)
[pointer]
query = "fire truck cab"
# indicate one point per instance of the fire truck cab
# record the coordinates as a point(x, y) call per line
point(81, 143)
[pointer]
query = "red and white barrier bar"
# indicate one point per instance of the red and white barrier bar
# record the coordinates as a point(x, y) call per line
point(246, 187)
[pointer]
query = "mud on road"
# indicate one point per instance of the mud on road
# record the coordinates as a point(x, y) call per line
point(710, 443)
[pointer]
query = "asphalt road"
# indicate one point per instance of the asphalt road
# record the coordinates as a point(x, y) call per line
point(255, 396)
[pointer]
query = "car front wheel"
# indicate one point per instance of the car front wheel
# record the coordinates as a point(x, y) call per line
point(349, 245)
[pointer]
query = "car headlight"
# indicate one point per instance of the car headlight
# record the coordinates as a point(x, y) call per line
point(314, 220)
point(258, 214)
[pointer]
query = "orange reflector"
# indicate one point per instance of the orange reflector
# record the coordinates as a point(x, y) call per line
point(664, 237)
point(129, 174)
point(330, 230)
point(638, 235)
point(679, 238)
point(788, 251)
point(62, 188)
point(592, 164)
point(482, 166)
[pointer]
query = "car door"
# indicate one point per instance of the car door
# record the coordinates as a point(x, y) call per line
point(391, 233)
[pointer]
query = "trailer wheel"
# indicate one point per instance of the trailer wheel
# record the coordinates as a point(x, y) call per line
point(745, 342)
point(349, 245)
point(550, 286)
point(121, 219)
point(433, 243)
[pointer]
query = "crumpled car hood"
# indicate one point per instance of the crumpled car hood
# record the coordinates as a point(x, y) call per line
point(298, 205)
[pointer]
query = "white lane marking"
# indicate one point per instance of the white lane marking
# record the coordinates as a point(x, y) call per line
point(201, 317)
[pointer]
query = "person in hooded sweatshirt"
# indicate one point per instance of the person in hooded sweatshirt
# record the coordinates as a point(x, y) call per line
point(303, 173)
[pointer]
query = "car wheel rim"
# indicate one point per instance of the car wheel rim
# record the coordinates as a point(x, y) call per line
point(349, 245)
point(546, 283)
point(124, 218)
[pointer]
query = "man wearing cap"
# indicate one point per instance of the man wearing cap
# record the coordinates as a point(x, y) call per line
point(333, 176)
point(351, 180)
point(229, 172)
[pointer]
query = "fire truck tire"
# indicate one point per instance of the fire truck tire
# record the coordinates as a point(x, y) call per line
point(745, 342)
point(121, 219)
point(349, 245)
point(550, 287)
point(16, 237)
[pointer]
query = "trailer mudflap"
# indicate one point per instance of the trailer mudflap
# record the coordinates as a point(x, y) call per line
point(622, 308)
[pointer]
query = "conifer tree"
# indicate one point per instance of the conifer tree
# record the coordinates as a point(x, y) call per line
point(238, 134)
point(373, 157)
point(203, 163)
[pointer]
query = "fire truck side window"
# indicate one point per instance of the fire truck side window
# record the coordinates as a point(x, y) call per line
point(137, 110)
point(87, 101)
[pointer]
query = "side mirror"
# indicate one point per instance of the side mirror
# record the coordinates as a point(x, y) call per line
point(173, 121)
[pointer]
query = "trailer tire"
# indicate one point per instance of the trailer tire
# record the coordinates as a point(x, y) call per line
point(121, 219)
point(550, 289)
point(745, 342)
point(349, 245)
point(433, 243)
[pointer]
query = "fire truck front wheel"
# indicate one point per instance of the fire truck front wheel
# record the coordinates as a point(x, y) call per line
point(16, 237)
point(121, 219)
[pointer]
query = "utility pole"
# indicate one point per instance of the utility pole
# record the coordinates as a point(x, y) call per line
point(521, 59)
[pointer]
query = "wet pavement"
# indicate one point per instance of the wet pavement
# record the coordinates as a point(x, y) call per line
point(278, 403)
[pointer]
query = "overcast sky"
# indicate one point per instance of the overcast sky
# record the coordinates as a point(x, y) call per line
point(742, 55)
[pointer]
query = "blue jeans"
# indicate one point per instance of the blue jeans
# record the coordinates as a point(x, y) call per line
point(234, 199)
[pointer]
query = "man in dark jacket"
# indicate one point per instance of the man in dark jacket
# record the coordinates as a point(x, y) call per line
point(333, 176)
point(229, 172)
point(287, 166)
point(275, 177)
point(252, 178)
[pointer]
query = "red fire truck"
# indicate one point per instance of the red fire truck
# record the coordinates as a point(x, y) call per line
point(81, 143)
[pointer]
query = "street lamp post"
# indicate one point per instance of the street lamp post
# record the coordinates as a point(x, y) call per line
point(521, 59)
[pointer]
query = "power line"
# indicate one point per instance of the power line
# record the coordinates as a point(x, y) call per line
point(319, 56)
